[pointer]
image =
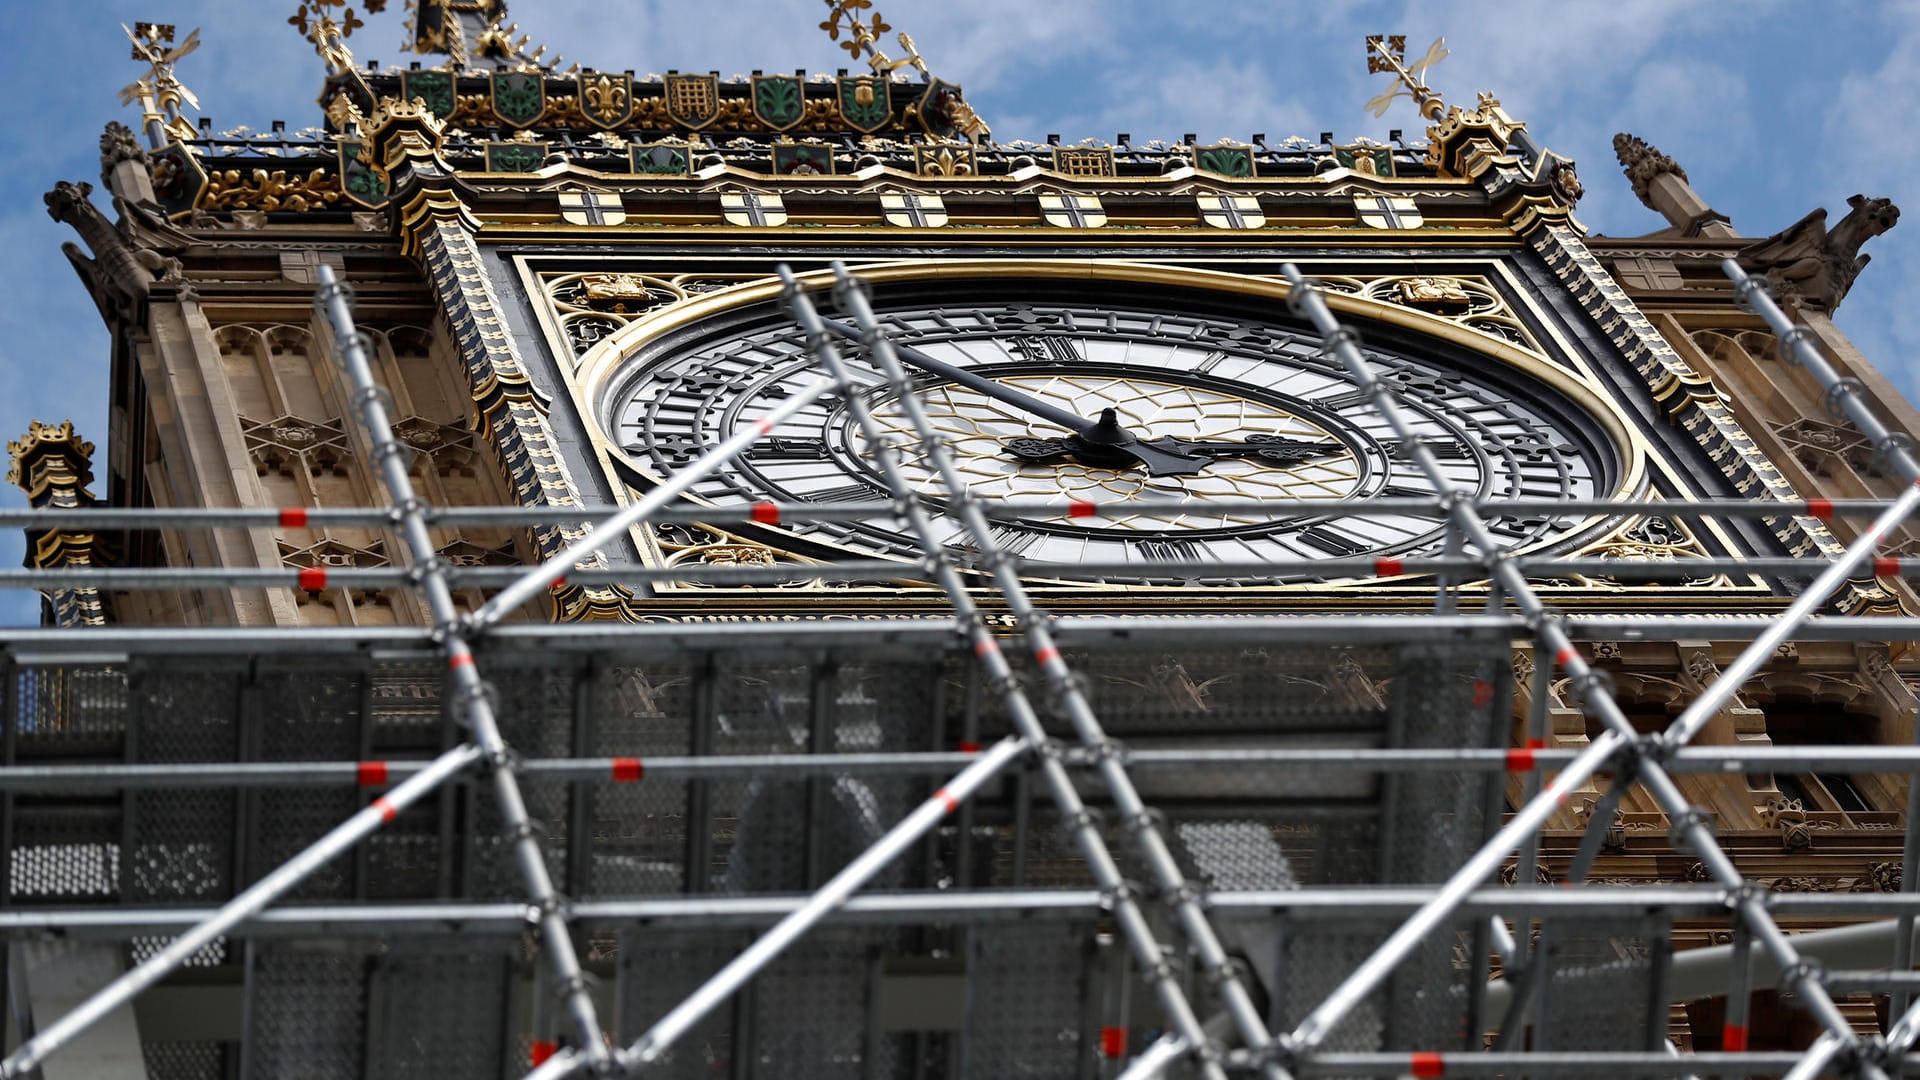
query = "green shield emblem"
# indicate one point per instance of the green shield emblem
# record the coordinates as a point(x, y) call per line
point(1224, 160)
point(519, 98)
point(360, 180)
point(779, 101)
point(178, 179)
point(515, 156)
point(866, 102)
point(1365, 160)
point(433, 87)
point(659, 159)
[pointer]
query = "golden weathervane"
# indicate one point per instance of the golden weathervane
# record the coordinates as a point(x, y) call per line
point(316, 23)
point(863, 33)
point(1389, 53)
point(159, 92)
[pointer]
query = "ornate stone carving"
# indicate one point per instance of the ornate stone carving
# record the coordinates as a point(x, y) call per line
point(54, 465)
point(122, 270)
point(1814, 266)
point(118, 143)
point(1641, 163)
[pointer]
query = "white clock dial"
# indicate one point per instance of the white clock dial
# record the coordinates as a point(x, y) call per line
point(1269, 416)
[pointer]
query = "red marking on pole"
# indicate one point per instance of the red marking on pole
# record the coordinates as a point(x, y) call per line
point(1113, 1042)
point(1886, 567)
point(763, 425)
point(558, 583)
point(460, 659)
point(293, 518)
point(985, 647)
point(1565, 656)
point(1733, 1038)
point(1388, 567)
point(627, 770)
point(969, 747)
point(766, 513)
point(1080, 508)
point(1047, 655)
point(1820, 508)
point(1426, 1065)
point(949, 802)
point(542, 1050)
point(1482, 693)
point(1521, 761)
point(371, 773)
point(1536, 744)
point(313, 578)
point(388, 811)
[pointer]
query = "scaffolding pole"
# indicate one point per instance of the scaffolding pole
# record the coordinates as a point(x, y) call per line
point(1693, 831)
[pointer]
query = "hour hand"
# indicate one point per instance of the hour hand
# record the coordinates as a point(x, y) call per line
point(1272, 449)
point(1190, 454)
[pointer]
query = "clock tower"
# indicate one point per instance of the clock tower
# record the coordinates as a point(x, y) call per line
point(568, 286)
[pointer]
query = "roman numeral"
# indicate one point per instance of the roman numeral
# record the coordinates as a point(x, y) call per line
point(788, 448)
point(1331, 542)
point(1443, 450)
point(1210, 362)
point(1347, 400)
point(843, 493)
point(1011, 541)
point(1167, 550)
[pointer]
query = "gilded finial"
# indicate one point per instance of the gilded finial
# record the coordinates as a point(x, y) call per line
point(159, 92)
point(863, 34)
point(1389, 53)
point(316, 23)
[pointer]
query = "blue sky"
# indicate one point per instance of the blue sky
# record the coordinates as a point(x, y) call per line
point(1772, 107)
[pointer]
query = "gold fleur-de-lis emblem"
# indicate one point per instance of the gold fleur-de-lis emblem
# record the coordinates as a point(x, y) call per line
point(606, 97)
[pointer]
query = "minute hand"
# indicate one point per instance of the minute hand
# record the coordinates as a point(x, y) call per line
point(1108, 437)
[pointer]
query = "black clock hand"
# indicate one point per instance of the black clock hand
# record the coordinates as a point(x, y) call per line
point(1103, 437)
point(1277, 449)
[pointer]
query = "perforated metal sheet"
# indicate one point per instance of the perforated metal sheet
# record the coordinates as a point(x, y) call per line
point(812, 1009)
point(306, 714)
point(306, 1011)
point(658, 968)
point(186, 1060)
point(437, 1015)
point(1026, 988)
point(1606, 971)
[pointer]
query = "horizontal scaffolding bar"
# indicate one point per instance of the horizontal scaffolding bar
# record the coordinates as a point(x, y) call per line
point(999, 509)
point(750, 633)
point(279, 774)
point(931, 907)
point(1549, 1063)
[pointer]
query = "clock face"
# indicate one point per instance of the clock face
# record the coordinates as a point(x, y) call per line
point(1264, 412)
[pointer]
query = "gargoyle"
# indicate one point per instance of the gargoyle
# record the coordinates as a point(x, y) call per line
point(128, 258)
point(1814, 266)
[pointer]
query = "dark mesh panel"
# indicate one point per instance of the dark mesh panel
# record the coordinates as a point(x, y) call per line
point(660, 966)
point(69, 710)
point(535, 710)
point(310, 714)
point(183, 839)
point(1025, 986)
point(1605, 971)
point(812, 1008)
point(186, 1060)
point(437, 1015)
point(640, 830)
point(65, 851)
point(306, 1011)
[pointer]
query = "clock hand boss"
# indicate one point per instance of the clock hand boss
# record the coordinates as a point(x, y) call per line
point(1103, 438)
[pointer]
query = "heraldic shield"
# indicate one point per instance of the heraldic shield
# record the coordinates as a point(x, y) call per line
point(1231, 211)
point(433, 87)
point(752, 208)
point(693, 100)
point(1388, 211)
point(178, 179)
point(1068, 211)
point(659, 159)
point(360, 180)
point(352, 86)
point(579, 206)
point(1224, 160)
point(606, 99)
point(866, 102)
point(519, 97)
point(912, 210)
point(779, 101)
